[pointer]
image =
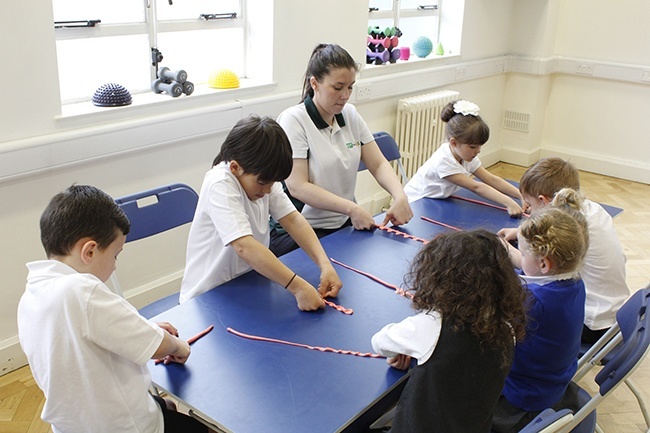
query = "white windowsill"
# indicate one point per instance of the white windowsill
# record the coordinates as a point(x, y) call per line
point(150, 103)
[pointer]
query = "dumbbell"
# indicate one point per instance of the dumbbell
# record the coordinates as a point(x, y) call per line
point(175, 89)
point(385, 42)
point(188, 87)
point(378, 58)
point(395, 54)
point(168, 76)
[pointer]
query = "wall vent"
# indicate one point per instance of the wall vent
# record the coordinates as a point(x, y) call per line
point(516, 121)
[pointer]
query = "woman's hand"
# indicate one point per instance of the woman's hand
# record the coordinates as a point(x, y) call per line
point(361, 218)
point(399, 213)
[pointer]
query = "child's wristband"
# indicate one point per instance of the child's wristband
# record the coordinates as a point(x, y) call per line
point(290, 281)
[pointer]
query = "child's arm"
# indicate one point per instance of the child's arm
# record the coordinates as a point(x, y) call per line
point(514, 253)
point(300, 230)
point(509, 234)
point(500, 185)
point(171, 348)
point(400, 362)
point(307, 192)
point(486, 191)
point(416, 336)
point(267, 264)
point(400, 212)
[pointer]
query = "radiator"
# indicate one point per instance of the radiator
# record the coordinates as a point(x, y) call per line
point(419, 130)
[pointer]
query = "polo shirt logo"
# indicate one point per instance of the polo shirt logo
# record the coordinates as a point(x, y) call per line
point(351, 145)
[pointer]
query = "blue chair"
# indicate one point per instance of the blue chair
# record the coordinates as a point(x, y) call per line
point(155, 211)
point(608, 347)
point(388, 147)
point(619, 351)
point(548, 421)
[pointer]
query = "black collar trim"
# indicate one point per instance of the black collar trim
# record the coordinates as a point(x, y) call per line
point(315, 116)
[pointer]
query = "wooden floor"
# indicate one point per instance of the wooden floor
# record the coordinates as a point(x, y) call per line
point(21, 401)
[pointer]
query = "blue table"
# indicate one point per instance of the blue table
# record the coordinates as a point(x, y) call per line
point(613, 211)
point(250, 386)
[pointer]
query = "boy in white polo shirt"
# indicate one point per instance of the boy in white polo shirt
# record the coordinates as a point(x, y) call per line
point(87, 347)
point(230, 231)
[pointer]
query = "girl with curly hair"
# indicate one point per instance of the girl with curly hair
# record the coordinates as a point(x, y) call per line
point(552, 245)
point(470, 312)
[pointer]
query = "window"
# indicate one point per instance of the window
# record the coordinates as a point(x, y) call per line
point(111, 42)
point(416, 18)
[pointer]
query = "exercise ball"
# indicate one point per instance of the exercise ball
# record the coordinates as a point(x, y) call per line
point(223, 79)
point(422, 47)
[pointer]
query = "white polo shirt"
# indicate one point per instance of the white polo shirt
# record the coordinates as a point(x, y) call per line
point(603, 270)
point(333, 153)
point(88, 349)
point(223, 214)
point(415, 336)
point(429, 180)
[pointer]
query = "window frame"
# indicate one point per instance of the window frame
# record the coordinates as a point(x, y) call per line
point(152, 28)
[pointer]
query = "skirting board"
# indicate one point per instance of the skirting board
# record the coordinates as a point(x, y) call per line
point(623, 169)
point(619, 168)
point(12, 356)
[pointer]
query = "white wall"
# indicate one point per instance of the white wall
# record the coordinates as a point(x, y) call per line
point(175, 141)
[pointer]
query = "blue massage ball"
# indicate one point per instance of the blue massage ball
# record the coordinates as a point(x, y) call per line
point(422, 47)
point(111, 95)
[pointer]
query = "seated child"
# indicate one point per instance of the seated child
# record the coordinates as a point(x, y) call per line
point(451, 166)
point(603, 269)
point(230, 231)
point(552, 244)
point(471, 310)
point(87, 347)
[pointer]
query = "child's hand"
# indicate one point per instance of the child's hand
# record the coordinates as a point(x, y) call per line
point(508, 234)
point(399, 213)
point(308, 298)
point(168, 327)
point(330, 283)
point(400, 362)
point(515, 210)
point(361, 219)
point(180, 355)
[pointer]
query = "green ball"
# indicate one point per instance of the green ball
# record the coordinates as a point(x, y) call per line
point(422, 47)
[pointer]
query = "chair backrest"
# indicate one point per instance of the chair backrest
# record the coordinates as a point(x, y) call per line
point(634, 322)
point(548, 421)
point(563, 421)
point(390, 150)
point(159, 209)
point(625, 351)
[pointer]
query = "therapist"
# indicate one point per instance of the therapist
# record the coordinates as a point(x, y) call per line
point(329, 138)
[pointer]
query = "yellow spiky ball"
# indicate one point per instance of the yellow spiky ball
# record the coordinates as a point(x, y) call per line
point(223, 79)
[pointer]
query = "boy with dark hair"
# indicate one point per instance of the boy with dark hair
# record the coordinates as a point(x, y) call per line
point(230, 235)
point(87, 347)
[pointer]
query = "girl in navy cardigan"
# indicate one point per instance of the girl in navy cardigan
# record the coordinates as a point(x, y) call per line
point(552, 244)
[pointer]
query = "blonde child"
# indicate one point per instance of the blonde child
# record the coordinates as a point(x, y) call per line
point(230, 231)
point(470, 311)
point(603, 269)
point(87, 347)
point(453, 164)
point(552, 244)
